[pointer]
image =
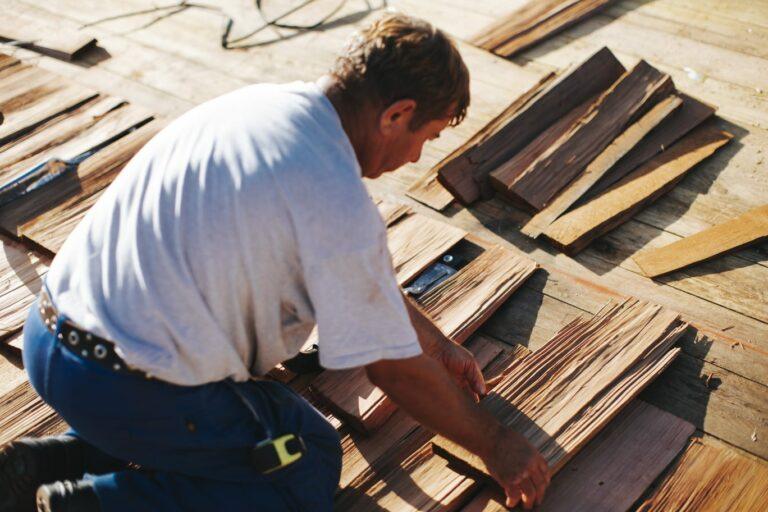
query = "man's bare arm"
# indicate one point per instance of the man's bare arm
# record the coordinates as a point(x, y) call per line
point(423, 388)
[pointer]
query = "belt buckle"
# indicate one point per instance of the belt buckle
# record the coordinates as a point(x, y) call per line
point(273, 454)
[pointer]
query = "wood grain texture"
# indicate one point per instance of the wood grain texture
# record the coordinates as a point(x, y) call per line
point(21, 279)
point(632, 95)
point(749, 228)
point(602, 164)
point(576, 229)
point(563, 394)
point(23, 413)
point(417, 241)
point(545, 107)
point(533, 22)
point(684, 119)
point(461, 303)
point(710, 478)
point(391, 212)
point(460, 172)
point(51, 213)
point(614, 469)
point(30, 96)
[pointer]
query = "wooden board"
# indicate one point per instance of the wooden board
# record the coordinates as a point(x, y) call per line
point(576, 229)
point(52, 212)
point(633, 94)
point(458, 307)
point(622, 145)
point(749, 228)
point(72, 134)
point(534, 21)
point(417, 241)
point(545, 107)
point(31, 96)
point(614, 469)
point(562, 395)
point(461, 303)
point(458, 171)
point(392, 212)
point(21, 279)
point(710, 478)
point(684, 119)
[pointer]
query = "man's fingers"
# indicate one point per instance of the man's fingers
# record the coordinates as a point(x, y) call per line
point(529, 493)
point(540, 482)
point(513, 497)
point(476, 379)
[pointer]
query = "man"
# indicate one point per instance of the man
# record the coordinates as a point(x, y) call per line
point(208, 261)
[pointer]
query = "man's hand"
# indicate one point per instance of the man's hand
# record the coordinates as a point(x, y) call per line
point(463, 367)
point(518, 467)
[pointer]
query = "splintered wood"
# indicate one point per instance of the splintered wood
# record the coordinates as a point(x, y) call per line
point(562, 395)
point(534, 21)
point(458, 306)
point(711, 478)
point(744, 230)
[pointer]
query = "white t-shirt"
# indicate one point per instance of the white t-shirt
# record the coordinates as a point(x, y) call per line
point(227, 236)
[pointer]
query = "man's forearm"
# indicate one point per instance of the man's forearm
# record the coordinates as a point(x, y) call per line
point(421, 386)
point(430, 337)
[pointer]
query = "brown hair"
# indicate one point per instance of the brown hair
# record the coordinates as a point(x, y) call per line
point(400, 57)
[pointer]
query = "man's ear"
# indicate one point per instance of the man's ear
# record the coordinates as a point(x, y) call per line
point(397, 116)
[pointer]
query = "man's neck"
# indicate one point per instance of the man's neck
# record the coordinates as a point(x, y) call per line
point(358, 123)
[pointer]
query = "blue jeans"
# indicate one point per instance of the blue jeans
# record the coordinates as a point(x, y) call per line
point(192, 443)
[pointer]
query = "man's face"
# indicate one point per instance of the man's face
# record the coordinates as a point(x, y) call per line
point(401, 144)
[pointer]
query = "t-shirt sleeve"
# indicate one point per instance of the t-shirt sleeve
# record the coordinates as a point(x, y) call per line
point(359, 309)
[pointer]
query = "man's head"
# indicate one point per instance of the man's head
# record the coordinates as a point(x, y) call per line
point(400, 82)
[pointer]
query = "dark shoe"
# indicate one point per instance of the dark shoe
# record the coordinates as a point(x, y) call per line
point(27, 463)
point(67, 496)
point(306, 361)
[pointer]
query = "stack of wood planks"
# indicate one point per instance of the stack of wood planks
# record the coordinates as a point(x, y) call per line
point(586, 150)
point(562, 395)
point(46, 119)
point(458, 305)
point(534, 21)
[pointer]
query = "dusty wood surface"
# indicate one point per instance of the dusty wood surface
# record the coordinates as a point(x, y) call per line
point(719, 57)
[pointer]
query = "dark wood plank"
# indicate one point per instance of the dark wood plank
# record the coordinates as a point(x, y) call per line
point(596, 169)
point(684, 119)
point(576, 229)
point(632, 95)
point(556, 99)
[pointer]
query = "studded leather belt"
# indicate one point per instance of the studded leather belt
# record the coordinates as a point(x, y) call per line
point(81, 342)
